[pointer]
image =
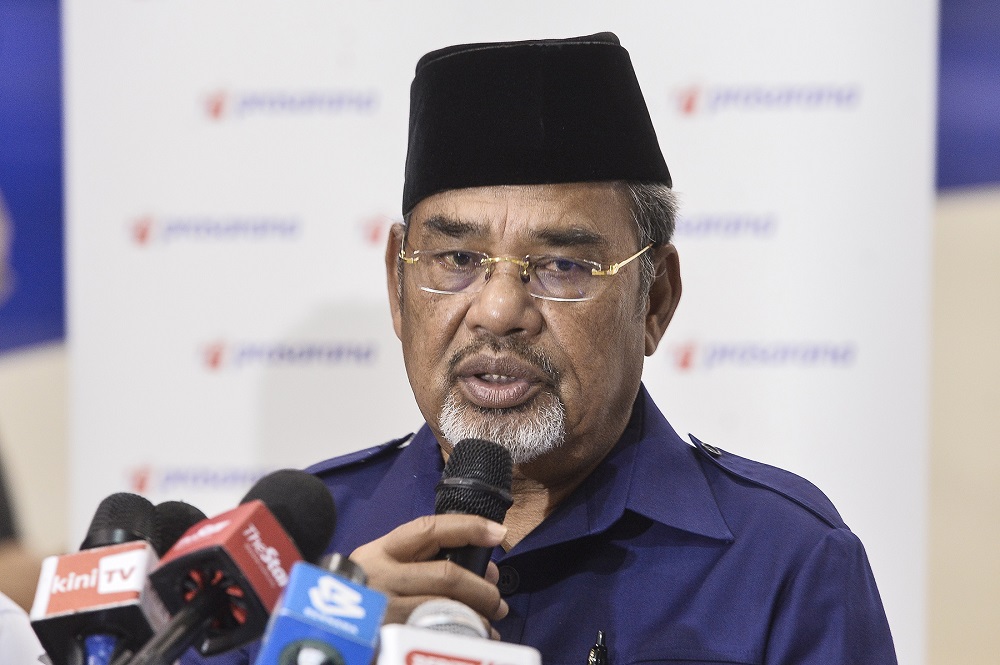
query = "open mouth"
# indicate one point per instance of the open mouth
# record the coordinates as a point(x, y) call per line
point(499, 383)
point(497, 391)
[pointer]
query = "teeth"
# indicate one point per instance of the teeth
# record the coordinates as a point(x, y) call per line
point(497, 378)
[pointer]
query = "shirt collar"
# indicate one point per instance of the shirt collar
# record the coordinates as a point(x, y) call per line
point(652, 472)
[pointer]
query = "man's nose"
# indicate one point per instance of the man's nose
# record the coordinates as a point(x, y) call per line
point(504, 305)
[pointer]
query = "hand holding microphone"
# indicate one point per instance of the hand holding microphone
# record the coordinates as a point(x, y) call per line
point(472, 499)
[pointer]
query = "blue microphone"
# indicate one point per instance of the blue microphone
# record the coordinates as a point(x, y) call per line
point(324, 618)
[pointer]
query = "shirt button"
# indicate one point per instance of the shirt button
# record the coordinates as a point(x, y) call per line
point(509, 580)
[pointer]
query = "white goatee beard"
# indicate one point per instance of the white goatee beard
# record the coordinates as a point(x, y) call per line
point(526, 434)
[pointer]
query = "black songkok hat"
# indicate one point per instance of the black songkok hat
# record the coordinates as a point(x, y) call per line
point(528, 113)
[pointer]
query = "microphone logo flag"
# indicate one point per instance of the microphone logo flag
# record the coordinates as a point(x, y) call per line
point(119, 573)
point(94, 577)
point(202, 532)
point(268, 556)
point(334, 598)
point(323, 619)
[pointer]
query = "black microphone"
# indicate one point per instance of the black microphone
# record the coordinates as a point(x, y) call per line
point(120, 518)
point(170, 520)
point(225, 575)
point(95, 604)
point(476, 481)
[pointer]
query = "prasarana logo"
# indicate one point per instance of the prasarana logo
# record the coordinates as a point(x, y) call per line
point(374, 229)
point(735, 225)
point(695, 100)
point(221, 104)
point(220, 355)
point(147, 479)
point(705, 356)
point(150, 230)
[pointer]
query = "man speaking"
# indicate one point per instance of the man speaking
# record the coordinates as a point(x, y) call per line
point(533, 273)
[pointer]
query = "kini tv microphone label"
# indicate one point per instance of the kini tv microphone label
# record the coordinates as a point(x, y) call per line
point(324, 619)
point(97, 577)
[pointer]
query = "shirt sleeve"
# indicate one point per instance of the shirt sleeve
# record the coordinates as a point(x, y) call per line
point(18, 643)
point(830, 611)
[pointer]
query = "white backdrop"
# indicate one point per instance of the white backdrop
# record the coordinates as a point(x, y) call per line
point(232, 168)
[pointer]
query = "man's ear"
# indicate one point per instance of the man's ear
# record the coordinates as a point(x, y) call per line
point(392, 276)
point(664, 294)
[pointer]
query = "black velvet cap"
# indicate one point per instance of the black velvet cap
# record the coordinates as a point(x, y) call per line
point(528, 113)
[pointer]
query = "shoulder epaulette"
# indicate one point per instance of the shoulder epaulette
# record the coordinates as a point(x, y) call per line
point(787, 484)
point(359, 456)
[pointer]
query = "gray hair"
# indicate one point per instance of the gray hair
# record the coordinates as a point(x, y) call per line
point(654, 210)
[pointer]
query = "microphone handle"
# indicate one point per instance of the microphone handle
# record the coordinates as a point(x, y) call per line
point(469, 557)
point(183, 629)
point(99, 648)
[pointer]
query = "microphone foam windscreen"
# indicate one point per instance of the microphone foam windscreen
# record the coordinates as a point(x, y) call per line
point(476, 480)
point(447, 616)
point(120, 518)
point(302, 505)
point(170, 520)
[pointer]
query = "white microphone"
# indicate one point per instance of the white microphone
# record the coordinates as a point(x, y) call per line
point(448, 616)
point(446, 632)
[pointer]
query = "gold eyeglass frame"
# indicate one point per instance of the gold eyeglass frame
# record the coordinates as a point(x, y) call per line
point(525, 264)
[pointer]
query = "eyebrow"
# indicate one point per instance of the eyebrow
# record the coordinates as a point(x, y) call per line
point(571, 237)
point(451, 227)
point(553, 237)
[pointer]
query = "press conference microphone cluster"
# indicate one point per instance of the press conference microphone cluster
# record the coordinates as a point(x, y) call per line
point(325, 619)
point(223, 577)
point(95, 604)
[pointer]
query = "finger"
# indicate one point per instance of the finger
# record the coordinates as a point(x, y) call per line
point(426, 536)
point(492, 573)
point(400, 608)
point(439, 578)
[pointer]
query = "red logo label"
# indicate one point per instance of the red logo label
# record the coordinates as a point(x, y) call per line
point(431, 658)
point(687, 99)
point(142, 229)
point(215, 104)
point(213, 355)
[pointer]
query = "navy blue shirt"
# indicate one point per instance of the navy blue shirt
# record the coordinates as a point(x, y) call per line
point(679, 553)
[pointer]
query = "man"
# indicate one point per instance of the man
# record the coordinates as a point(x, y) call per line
point(533, 274)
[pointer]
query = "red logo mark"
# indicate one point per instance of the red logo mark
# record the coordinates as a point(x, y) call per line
point(142, 230)
point(214, 354)
point(215, 104)
point(375, 229)
point(687, 99)
point(140, 479)
point(684, 355)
